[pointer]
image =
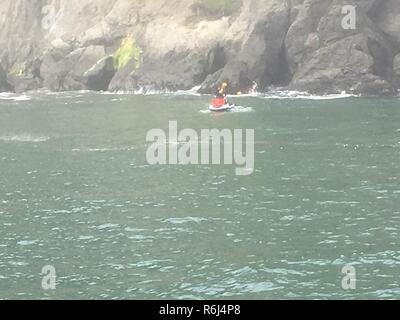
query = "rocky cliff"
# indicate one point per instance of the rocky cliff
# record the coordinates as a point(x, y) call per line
point(174, 44)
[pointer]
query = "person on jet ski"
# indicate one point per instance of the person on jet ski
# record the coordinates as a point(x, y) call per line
point(221, 92)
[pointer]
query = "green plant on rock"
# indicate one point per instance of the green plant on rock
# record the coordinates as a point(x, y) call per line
point(18, 70)
point(128, 51)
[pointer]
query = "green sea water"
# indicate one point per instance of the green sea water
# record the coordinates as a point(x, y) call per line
point(77, 193)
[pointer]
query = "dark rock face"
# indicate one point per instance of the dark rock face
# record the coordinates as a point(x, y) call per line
point(173, 72)
point(332, 59)
point(98, 78)
point(26, 77)
point(64, 70)
point(396, 65)
point(4, 85)
point(296, 44)
point(23, 84)
point(259, 58)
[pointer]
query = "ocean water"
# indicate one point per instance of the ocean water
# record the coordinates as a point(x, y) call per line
point(77, 193)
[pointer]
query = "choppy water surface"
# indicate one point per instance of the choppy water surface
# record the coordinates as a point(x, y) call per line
point(76, 193)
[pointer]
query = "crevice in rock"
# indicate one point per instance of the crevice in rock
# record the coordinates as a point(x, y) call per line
point(282, 75)
point(101, 75)
point(383, 60)
point(375, 15)
point(216, 61)
point(374, 11)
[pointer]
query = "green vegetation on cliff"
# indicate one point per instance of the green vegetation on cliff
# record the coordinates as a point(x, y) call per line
point(128, 51)
point(17, 70)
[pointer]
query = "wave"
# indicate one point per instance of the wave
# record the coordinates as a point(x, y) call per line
point(14, 97)
point(43, 93)
point(287, 94)
point(148, 91)
point(281, 95)
point(194, 91)
point(236, 109)
point(62, 93)
point(184, 220)
point(24, 138)
point(272, 94)
point(100, 150)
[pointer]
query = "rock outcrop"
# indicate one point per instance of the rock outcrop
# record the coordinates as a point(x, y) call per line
point(122, 45)
point(330, 58)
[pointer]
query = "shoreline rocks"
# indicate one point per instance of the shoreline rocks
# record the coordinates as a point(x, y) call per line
point(294, 44)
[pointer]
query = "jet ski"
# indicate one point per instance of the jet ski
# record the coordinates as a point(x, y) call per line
point(220, 105)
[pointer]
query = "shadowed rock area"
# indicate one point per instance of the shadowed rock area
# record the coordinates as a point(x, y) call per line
point(4, 85)
point(122, 45)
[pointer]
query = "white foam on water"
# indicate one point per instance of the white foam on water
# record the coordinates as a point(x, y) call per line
point(148, 91)
point(303, 95)
point(5, 95)
point(85, 238)
point(114, 93)
point(27, 242)
point(184, 220)
point(289, 94)
point(236, 109)
point(65, 93)
point(22, 98)
point(14, 97)
point(246, 95)
point(107, 226)
point(273, 95)
point(24, 138)
point(103, 149)
point(206, 111)
point(241, 109)
point(192, 92)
